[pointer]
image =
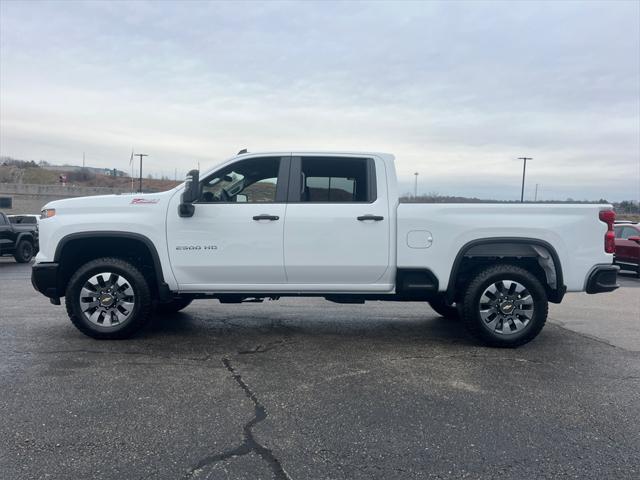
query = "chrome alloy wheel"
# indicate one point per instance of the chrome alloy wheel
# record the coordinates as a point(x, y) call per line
point(107, 299)
point(506, 307)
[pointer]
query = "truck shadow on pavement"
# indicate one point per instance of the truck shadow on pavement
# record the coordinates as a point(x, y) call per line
point(193, 326)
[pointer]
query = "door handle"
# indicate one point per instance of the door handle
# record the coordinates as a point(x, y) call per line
point(264, 216)
point(375, 218)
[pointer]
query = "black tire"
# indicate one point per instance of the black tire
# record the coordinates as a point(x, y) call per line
point(24, 251)
point(490, 336)
point(139, 315)
point(173, 306)
point(444, 309)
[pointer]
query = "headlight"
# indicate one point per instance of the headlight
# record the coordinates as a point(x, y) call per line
point(47, 213)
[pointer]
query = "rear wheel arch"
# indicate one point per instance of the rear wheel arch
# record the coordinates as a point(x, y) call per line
point(76, 249)
point(535, 255)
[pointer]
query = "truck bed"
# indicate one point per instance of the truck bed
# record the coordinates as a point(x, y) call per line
point(573, 231)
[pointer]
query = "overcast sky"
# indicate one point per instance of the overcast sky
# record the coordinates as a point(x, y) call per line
point(456, 90)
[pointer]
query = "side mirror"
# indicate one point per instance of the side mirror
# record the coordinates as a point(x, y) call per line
point(634, 239)
point(191, 194)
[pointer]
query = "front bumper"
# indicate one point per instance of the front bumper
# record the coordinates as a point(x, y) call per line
point(45, 279)
point(603, 278)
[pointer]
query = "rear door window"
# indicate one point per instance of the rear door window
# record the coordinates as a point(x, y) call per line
point(337, 180)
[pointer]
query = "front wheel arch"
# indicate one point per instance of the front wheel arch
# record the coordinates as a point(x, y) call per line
point(76, 249)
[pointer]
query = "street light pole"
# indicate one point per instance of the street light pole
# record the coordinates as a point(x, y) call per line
point(524, 171)
point(415, 187)
point(141, 155)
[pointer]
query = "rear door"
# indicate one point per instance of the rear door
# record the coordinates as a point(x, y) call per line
point(337, 227)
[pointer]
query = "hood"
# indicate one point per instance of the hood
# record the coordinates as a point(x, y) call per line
point(109, 203)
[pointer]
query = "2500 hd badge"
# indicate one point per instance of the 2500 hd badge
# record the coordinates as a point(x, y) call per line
point(196, 247)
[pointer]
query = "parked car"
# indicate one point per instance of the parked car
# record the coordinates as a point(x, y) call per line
point(24, 219)
point(628, 246)
point(271, 225)
point(18, 239)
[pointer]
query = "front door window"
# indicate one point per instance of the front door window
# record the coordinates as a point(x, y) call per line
point(249, 181)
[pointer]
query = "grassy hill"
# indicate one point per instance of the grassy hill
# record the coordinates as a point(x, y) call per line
point(33, 174)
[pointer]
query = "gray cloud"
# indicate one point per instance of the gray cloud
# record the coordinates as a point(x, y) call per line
point(455, 89)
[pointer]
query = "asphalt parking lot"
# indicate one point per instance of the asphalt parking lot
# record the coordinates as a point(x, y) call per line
point(307, 389)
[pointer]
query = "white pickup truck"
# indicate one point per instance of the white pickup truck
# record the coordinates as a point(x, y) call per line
point(269, 225)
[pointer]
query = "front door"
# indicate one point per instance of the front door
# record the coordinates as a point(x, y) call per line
point(234, 241)
point(337, 227)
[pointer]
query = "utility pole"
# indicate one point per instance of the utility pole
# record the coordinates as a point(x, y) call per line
point(524, 171)
point(82, 159)
point(141, 155)
point(415, 187)
point(535, 198)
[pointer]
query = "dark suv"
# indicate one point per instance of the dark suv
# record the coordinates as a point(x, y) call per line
point(18, 238)
point(628, 246)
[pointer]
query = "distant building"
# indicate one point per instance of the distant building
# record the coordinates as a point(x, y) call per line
point(75, 168)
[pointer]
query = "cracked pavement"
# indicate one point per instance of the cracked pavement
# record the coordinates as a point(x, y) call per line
point(307, 389)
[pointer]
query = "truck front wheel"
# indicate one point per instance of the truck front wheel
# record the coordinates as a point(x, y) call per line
point(24, 251)
point(505, 306)
point(108, 298)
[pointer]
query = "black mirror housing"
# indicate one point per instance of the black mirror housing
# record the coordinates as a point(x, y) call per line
point(186, 209)
point(191, 194)
point(191, 187)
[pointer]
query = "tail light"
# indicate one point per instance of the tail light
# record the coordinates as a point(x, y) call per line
point(608, 217)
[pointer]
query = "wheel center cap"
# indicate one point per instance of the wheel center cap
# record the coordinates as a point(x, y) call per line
point(106, 300)
point(507, 307)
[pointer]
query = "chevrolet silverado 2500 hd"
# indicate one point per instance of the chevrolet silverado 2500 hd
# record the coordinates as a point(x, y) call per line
point(270, 225)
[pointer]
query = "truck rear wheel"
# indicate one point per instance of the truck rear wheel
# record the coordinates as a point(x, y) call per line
point(24, 251)
point(108, 298)
point(505, 306)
